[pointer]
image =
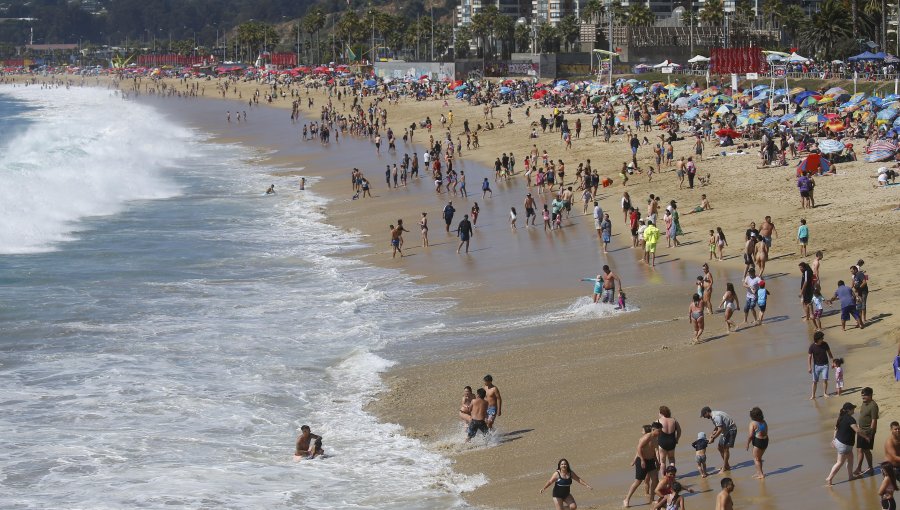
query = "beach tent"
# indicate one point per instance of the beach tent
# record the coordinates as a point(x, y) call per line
point(865, 56)
point(666, 63)
point(814, 163)
point(797, 58)
point(698, 58)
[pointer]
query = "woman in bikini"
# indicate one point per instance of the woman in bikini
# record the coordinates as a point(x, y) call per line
point(423, 224)
point(707, 288)
point(730, 303)
point(758, 436)
point(695, 314)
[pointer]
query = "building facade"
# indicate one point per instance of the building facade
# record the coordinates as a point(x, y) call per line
point(468, 8)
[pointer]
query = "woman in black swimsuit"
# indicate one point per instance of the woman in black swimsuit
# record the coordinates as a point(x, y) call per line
point(668, 436)
point(562, 485)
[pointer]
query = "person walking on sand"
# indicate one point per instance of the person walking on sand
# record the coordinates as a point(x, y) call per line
point(478, 413)
point(723, 499)
point(606, 232)
point(868, 423)
point(668, 436)
point(806, 289)
point(465, 232)
point(561, 481)
point(845, 432)
point(449, 211)
point(530, 205)
point(758, 437)
point(486, 188)
point(819, 354)
point(695, 315)
point(730, 303)
point(848, 305)
point(725, 430)
point(645, 463)
point(494, 401)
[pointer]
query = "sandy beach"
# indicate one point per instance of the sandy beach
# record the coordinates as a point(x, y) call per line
point(577, 382)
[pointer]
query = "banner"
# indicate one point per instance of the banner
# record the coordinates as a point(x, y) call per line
point(737, 60)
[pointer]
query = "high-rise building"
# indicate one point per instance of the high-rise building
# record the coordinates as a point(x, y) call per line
point(469, 8)
point(552, 11)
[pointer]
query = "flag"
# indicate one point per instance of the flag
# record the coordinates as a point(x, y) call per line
point(350, 55)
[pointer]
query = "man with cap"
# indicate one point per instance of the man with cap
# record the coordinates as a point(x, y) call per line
point(751, 283)
point(868, 423)
point(725, 431)
point(818, 360)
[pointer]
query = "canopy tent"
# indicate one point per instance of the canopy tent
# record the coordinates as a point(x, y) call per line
point(797, 58)
point(891, 59)
point(698, 58)
point(666, 63)
point(865, 56)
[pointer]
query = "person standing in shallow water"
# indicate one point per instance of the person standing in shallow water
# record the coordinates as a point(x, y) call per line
point(758, 437)
point(562, 484)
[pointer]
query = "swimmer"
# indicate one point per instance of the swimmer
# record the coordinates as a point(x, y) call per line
point(271, 190)
point(309, 445)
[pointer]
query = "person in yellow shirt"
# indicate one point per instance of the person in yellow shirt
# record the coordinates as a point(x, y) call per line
point(651, 237)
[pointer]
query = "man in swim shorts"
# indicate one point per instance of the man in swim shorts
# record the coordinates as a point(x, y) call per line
point(651, 237)
point(529, 209)
point(609, 285)
point(478, 412)
point(645, 465)
point(494, 400)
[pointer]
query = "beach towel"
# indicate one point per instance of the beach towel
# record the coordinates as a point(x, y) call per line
point(897, 368)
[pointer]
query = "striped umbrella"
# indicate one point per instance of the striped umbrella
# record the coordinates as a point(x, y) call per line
point(882, 145)
point(876, 156)
point(830, 146)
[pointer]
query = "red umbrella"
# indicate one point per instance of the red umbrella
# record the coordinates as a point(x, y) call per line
point(424, 77)
point(728, 132)
point(321, 69)
point(539, 94)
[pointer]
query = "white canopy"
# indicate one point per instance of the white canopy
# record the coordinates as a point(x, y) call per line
point(797, 58)
point(666, 63)
point(698, 58)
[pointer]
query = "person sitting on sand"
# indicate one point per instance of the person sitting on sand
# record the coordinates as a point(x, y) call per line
point(704, 205)
point(309, 445)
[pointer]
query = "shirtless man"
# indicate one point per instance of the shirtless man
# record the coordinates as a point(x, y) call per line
point(529, 209)
point(815, 267)
point(465, 407)
point(767, 230)
point(396, 232)
point(749, 249)
point(723, 499)
point(609, 285)
point(309, 445)
point(567, 196)
point(479, 409)
point(645, 465)
point(761, 256)
point(892, 446)
point(494, 401)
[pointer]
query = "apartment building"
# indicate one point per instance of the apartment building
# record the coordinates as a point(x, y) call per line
point(468, 8)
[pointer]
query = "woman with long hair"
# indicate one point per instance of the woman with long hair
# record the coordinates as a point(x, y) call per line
point(758, 436)
point(562, 485)
point(845, 431)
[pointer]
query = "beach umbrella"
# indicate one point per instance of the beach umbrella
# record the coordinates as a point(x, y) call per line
point(890, 98)
point(539, 94)
point(461, 87)
point(722, 110)
point(885, 116)
point(370, 83)
point(877, 156)
point(640, 90)
point(813, 118)
point(800, 96)
point(505, 90)
point(662, 117)
point(830, 146)
point(835, 126)
point(824, 100)
point(760, 87)
point(882, 145)
point(682, 102)
point(728, 132)
point(813, 163)
point(798, 90)
point(691, 114)
point(596, 99)
point(835, 91)
point(770, 121)
point(632, 81)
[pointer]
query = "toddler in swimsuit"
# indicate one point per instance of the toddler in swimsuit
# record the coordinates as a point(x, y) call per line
point(700, 451)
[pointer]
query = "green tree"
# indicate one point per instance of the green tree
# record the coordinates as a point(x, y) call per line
point(461, 42)
point(183, 47)
point(255, 35)
point(827, 29)
point(713, 13)
point(312, 23)
point(569, 31)
point(639, 15)
point(350, 27)
point(773, 10)
point(483, 27)
point(592, 11)
point(792, 19)
point(620, 13)
point(504, 26)
point(548, 38)
point(522, 37)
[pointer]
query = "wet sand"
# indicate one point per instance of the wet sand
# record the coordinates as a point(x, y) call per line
point(580, 389)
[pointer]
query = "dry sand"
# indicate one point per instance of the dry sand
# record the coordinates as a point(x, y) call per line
point(580, 389)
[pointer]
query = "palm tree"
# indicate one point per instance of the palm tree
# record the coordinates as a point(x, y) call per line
point(713, 13)
point(639, 15)
point(503, 30)
point(522, 36)
point(827, 29)
point(772, 10)
point(461, 44)
point(855, 14)
point(483, 25)
point(620, 13)
point(792, 18)
point(548, 38)
point(568, 31)
point(592, 11)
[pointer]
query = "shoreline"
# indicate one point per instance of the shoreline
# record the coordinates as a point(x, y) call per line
point(567, 411)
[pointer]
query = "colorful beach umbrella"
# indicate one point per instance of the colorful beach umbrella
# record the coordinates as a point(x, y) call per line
point(830, 146)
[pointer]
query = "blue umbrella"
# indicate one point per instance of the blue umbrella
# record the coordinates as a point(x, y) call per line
point(760, 87)
point(803, 95)
point(370, 83)
point(830, 146)
point(640, 90)
point(505, 90)
point(462, 87)
point(691, 114)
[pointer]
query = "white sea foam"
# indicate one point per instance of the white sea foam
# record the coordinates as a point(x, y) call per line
point(79, 158)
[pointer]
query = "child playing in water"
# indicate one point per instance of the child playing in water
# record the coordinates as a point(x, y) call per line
point(838, 365)
point(700, 453)
point(621, 301)
point(818, 302)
